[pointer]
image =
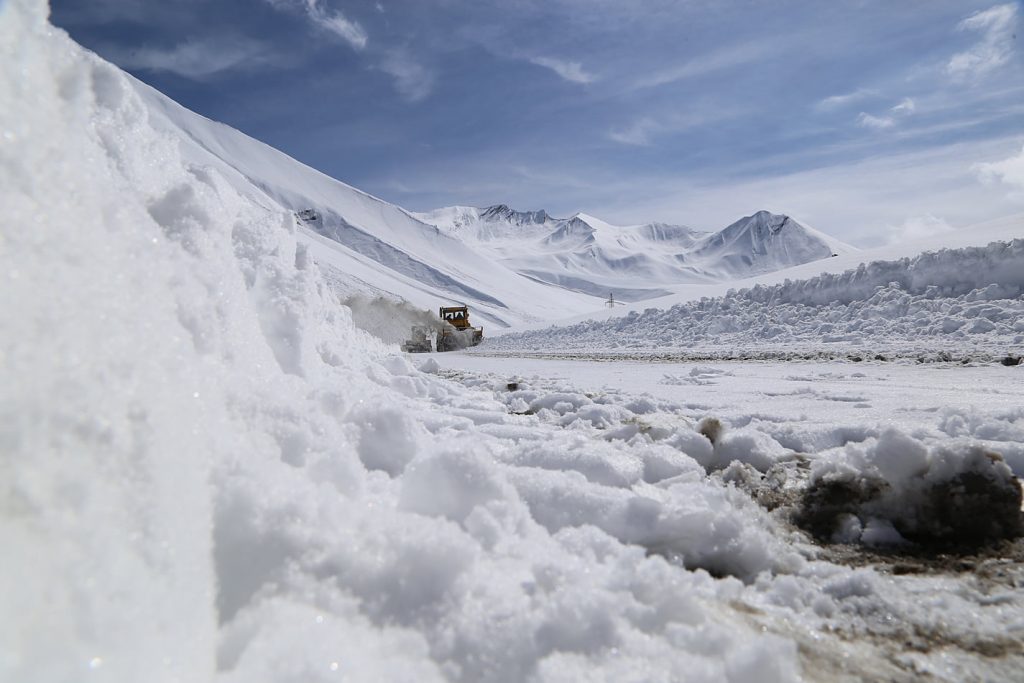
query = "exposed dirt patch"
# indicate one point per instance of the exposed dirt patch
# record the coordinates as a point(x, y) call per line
point(999, 564)
point(958, 514)
point(823, 505)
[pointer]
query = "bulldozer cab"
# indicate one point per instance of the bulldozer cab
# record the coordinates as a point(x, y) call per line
point(456, 316)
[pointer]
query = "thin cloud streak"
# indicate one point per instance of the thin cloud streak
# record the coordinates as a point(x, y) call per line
point(840, 101)
point(865, 120)
point(705, 64)
point(639, 133)
point(905, 108)
point(997, 27)
point(643, 131)
point(331, 21)
point(570, 71)
point(336, 23)
point(199, 60)
point(412, 80)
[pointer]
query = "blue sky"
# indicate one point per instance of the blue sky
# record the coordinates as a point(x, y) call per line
point(872, 120)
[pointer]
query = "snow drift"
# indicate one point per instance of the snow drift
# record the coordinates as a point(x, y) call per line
point(960, 302)
point(209, 473)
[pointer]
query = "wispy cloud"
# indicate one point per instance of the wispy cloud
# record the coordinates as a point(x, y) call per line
point(846, 99)
point(643, 131)
point(708, 63)
point(570, 71)
point(1009, 171)
point(198, 59)
point(413, 80)
point(997, 27)
point(638, 133)
point(865, 120)
point(329, 20)
point(905, 108)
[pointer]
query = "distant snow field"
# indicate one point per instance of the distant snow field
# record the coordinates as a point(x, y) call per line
point(210, 472)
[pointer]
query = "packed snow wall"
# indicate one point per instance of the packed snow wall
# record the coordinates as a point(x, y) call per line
point(952, 303)
point(997, 268)
point(162, 336)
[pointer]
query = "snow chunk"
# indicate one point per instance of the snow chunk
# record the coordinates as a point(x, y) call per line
point(451, 484)
point(899, 488)
point(430, 366)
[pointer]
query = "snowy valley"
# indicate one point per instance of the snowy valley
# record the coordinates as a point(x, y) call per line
point(512, 267)
point(794, 467)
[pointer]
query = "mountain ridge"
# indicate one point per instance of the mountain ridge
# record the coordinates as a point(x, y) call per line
point(512, 267)
point(587, 254)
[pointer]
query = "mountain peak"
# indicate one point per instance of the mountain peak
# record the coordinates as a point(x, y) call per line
point(504, 212)
point(773, 221)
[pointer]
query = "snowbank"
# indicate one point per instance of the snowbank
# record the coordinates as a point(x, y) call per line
point(209, 473)
point(960, 301)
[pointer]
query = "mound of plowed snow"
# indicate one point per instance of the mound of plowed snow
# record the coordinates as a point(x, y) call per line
point(962, 302)
point(209, 472)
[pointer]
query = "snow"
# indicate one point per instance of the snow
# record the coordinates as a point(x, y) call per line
point(210, 473)
point(586, 254)
point(968, 302)
point(789, 416)
point(365, 246)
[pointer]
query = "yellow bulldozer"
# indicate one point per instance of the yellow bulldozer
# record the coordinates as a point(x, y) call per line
point(458, 333)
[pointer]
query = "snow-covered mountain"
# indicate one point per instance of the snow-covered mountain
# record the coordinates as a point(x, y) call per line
point(512, 267)
point(363, 244)
point(636, 262)
point(763, 243)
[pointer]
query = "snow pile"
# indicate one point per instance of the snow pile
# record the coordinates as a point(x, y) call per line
point(210, 473)
point(914, 623)
point(895, 487)
point(962, 301)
